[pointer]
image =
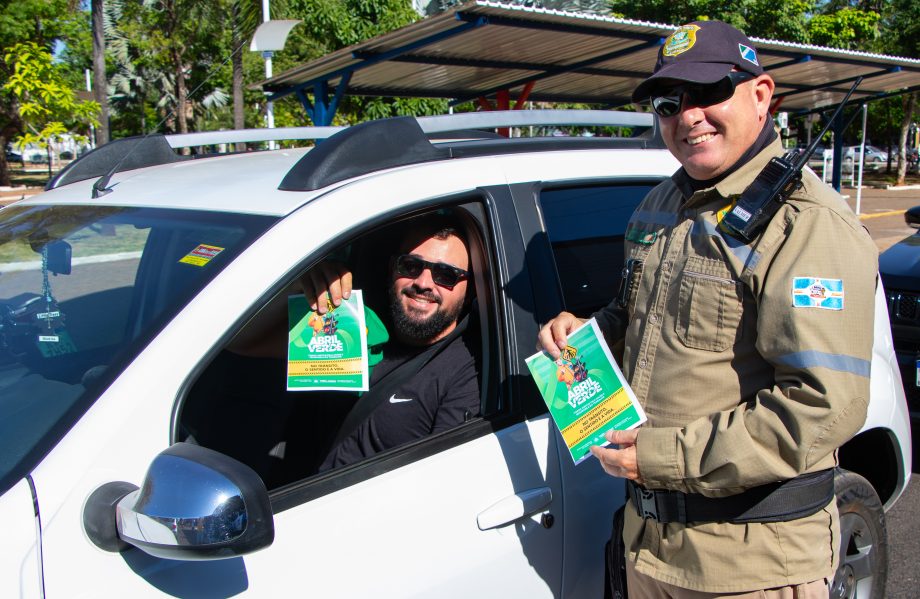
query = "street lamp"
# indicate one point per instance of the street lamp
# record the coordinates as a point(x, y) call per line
point(268, 39)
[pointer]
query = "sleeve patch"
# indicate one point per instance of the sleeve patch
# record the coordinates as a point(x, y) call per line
point(816, 292)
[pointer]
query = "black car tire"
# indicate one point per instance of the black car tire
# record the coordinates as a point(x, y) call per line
point(863, 569)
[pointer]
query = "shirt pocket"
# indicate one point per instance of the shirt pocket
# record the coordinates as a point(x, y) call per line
point(709, 305)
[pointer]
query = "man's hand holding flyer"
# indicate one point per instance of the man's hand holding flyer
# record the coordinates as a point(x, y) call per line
point(585, 391)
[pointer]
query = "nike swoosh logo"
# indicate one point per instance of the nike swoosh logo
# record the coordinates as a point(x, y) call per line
point(394, 399)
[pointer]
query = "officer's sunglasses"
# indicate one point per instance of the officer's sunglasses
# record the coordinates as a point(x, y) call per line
point(698, 94)
point(444, 275)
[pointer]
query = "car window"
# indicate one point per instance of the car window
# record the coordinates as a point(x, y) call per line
point(586, 226)
point(82, 290)
point(242, 405)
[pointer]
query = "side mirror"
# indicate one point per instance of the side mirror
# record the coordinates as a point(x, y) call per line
point(195, 504)
point(912, 217)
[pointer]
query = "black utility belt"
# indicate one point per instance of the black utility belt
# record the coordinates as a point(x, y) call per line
point(775, 502)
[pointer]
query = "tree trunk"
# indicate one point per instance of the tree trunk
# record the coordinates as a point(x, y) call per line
point(239, 121)
point(181, 100)
point(100, 81)
point(910, 103)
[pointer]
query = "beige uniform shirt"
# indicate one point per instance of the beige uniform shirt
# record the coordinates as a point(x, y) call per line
point(752, 363)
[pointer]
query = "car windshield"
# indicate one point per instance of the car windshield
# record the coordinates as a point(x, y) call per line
point(82, 290)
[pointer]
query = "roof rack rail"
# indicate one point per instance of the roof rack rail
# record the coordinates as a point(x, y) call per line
point(461, 121)
point(387, 143)
point(141, 151)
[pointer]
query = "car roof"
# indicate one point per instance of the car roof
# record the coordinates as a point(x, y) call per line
point(147, 172)
point(245, 183)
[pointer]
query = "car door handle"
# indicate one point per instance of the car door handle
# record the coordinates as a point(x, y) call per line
point(515, 507)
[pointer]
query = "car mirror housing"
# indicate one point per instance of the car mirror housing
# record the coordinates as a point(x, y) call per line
point(194, 504)
point(912, 217)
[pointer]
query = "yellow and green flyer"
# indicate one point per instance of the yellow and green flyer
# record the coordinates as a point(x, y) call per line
point(327, 351)
point(585, 391)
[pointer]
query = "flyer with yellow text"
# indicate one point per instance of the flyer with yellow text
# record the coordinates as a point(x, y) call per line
point(585, 391)
point(327, 351)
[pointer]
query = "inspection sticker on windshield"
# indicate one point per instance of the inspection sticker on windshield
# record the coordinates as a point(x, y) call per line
point(815, 292)
point(585, 391)
point(327, 351)
point(201, 255)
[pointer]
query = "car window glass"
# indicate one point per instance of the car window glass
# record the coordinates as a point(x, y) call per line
point(586, 226)
point(241, 404)
point(82, 290)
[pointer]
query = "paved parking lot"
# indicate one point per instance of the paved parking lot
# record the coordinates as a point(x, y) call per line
point(882, 212)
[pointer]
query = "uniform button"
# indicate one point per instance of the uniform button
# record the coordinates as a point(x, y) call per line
point(643, 363)
point(653, 318)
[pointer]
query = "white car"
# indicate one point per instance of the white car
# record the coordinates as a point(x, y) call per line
point(139, 458)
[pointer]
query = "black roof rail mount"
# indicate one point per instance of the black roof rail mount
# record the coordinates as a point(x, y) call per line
point(128, 153)
point(362, 149)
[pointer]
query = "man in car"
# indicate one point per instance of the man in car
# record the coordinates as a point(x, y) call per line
point(751, 358)
point(427, 381)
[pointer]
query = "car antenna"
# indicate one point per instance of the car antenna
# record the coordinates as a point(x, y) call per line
point(100, 187)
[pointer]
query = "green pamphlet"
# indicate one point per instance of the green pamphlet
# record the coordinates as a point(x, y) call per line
point(585, 391)
point(327, 351)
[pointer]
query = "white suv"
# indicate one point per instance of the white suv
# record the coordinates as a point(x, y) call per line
point(125, 424)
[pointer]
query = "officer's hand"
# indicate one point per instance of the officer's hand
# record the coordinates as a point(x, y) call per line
point(327, 279)
point(554, 334)
point(622, 462)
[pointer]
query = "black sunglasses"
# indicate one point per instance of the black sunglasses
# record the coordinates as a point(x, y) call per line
point(698, 94)
point(444, 275)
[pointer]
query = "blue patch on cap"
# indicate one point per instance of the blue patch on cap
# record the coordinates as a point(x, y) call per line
point(748, 54)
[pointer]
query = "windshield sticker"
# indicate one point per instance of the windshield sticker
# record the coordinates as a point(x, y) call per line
point(815, 292)
point(201, 255)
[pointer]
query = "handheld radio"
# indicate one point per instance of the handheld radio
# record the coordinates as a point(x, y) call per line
point(773, 186)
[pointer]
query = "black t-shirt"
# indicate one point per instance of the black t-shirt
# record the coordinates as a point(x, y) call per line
point(443, 394)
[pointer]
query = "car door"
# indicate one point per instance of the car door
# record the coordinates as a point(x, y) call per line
point(475, 510)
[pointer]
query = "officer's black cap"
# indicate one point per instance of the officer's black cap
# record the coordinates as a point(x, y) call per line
point(699, 52)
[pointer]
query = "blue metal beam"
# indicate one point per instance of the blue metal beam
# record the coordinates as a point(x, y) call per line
point(565, 69)
point(508, 65)
point(798, 89)
point(376, 58)
point(858, 61)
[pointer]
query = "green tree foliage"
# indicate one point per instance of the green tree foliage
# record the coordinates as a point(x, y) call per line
point(43, 22)
point(48, 106)
point(329, 25)
point(848, 28)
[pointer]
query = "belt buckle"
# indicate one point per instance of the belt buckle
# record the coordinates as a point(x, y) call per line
point(648, 508)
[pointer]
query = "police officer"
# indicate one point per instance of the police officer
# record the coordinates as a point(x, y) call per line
point(751, 358)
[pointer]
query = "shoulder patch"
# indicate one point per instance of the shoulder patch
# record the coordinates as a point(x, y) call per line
point(721, 214)
point(816, 292)
point(680, 41)
point(641, 236)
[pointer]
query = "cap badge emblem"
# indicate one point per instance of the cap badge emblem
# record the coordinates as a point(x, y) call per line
point(748, 54)
point(680, 41)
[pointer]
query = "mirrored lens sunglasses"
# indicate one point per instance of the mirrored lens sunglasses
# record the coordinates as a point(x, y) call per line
point(698, 94)
point(444, 275)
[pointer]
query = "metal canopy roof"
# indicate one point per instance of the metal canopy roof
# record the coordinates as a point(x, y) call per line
point(485, 49)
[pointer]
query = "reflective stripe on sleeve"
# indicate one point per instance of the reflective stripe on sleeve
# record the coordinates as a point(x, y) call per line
point(813, 358)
